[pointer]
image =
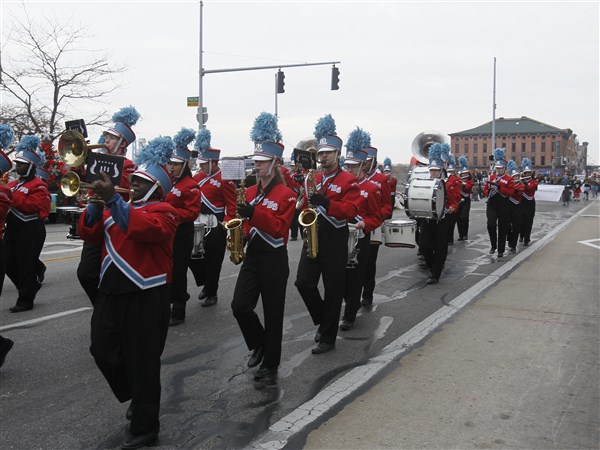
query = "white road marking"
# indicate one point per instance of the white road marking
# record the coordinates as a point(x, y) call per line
point(279, 434)
point(589, 243)
point(43, 319)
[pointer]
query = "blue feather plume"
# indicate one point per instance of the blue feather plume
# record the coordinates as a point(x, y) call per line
point(42, 157)
point(30, 142)
point(127, 115)
point(265, 128)
point(511, 166)
point(464, 164)
point(499, 154)
point(445, 152)
point(102, 139)
point(6, 135)
point(158, 151)
point(184, 137)
point(202, 140)
point(435, 151)
point(325, 127)
point(451, 160)
point(525, 162)
point(387, 162)
point(358, 139)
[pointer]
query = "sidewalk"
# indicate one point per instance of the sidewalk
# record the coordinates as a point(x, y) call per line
point(518, 368)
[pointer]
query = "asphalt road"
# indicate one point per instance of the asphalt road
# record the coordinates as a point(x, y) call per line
point(53, 396)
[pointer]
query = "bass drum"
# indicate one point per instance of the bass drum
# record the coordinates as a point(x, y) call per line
point(419, 173)
point(400, 233)
point(425, 199)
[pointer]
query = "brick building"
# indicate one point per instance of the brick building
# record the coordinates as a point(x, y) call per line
point(550, 149)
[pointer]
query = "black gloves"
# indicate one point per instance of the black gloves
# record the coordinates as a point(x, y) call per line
point(245, 210)
point(319, 200)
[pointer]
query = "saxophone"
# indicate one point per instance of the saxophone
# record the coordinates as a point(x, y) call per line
point(308, 218)
point(235, 231)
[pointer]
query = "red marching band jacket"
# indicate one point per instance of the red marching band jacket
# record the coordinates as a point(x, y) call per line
point(530, 188)
point(369, 208)
point(517, 193)
point(185, 198)
point(467, 188)
point(31, 200)
point(382, 182)
point(219, 196)
point(143, 251)
point(505, 186)
point(453, 195)
point(273, 214)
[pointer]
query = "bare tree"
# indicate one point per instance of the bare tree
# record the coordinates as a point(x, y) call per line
point(49, 71)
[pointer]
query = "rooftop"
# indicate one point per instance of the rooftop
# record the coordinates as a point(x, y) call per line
point(521, 125)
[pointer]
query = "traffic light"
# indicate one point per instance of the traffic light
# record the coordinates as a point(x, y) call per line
point(335, 78)
point(280, 82)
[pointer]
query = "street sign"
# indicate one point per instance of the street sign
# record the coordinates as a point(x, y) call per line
point(192, 101)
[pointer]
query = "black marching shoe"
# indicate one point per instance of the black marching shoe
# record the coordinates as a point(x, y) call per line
point(526, 244)
point(432, 280)
point(41, 275)
point(460, 238)
point(264, 372)
point(513, 250)
point(7, 344)
point(500, 255)
point(175, 321)
point(256, 357)
point(202, 295)
point(20, 308)
point(366, 302)
point(318, 336)
point(346, 325)
point(492, 250)
point(210, 301)
point(322, 347)
point(129, 412)
point(139, 440)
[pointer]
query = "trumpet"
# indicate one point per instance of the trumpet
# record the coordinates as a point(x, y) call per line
point(308, 218)
point(71, 184)
point(235, 231)
point(73, 149)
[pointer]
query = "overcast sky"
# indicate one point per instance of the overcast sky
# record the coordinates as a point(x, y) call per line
point(405, 67)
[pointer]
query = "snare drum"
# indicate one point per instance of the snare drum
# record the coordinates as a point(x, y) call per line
point(74, 216)
point(199, 233)
point(425, 199)
point(400, 233)
point(377, 236)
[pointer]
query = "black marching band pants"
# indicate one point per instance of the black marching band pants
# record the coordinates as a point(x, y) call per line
point(22, 254)
point(331, 263)
point(355, 278)
point(182, 255)
point(434, 244)
point(528, 215)
point(207, 270)
point(128, 337)
point(370, 271)
point(265, 274)
point(295, 226)
point(497, 212)
point(452, 219)
point(516, 218)
point(88, 270)
point(462, 222)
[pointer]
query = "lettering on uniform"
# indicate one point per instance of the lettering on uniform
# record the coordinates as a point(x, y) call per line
point(270, 204)
point(365, 194)
point(23, 189)
point(335, 188)
point(176, 192)
point(214, 182)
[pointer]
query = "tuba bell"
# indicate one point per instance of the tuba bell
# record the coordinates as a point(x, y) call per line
point(73, 149)
point(422, 142)
point(308, 218)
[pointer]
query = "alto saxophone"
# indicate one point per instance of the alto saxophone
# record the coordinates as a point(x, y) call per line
point(308, 218)
point(235, 231)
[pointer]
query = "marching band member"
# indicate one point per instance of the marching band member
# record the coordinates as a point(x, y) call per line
point(218, 206)
point(367, 219)
point(6, 138)
point(454, 183)
point(516, 211)
point(335, 200)
point(528, 200)
point(185, 198)
point(25, 230)
point(392, 181)
point(381, 181)
point(269, 210)
point(434, 232)
point(117, 139)
point(131, 312)
point(498, 189)
point(464, 207)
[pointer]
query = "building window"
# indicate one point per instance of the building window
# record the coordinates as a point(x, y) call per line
point(532, 149)
point(543, 160)
point(543, 147)
point(475, 147)
point(485, 147)
point(475, 160)
point(466, 147)
point(523, 147)
point(513, 147)
point(456, 147)
point(532, 160)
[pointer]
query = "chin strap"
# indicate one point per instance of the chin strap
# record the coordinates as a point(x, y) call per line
point(270, 171)
point(148, 194)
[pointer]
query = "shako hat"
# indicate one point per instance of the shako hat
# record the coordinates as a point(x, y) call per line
point(327, 138)
point(202, 145)
point(26, 150)
point(151, 164)
point(123, 120)
point(499, 158)
point(358, 140)
point(266, 137)
point(435, 156)
point(182, 139)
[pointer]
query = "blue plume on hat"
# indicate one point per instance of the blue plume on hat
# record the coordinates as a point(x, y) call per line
point(102, 139)
point(511, 166)
point(30, 143)
point(358, 139)
point(325, 127)
point(525, 163)
point(42, 157)
point(499, 154)
point(202, 140)
point(184, 137)
point(451, 160)
point(445, 149)
point(387, 162)
point(265, 128)
point(464, 164)
point(127, 115)
point(6, 135)
point(158, 151)
point(435, 151)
